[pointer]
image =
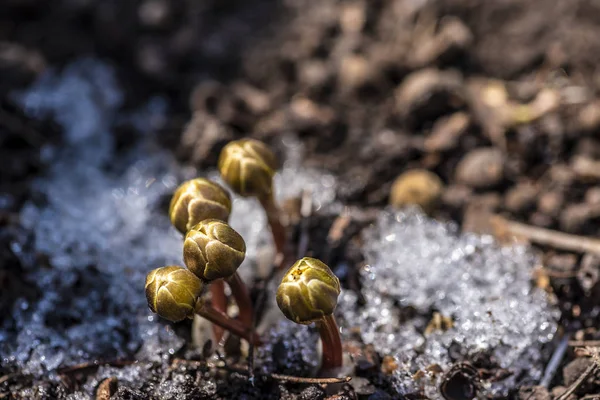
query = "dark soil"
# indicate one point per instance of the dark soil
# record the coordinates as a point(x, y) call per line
point(499, 99)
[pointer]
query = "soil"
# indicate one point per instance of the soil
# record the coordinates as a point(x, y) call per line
point(499, 99)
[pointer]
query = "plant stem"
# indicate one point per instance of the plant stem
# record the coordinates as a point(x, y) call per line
point(332, 343)
point(219, 303)
point(220, 318)
point(242, 299)
point(277, 229)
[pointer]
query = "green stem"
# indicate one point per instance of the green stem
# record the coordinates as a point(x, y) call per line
point(220, 318)
point(332, 343)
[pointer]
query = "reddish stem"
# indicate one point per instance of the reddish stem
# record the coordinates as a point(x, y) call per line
point(277, 229)
point(219, 303)
point(242, 299)
point(220, 318)
point(332, 343)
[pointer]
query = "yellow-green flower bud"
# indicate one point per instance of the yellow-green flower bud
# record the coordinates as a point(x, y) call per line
point(197, 200)
point(248, 166)
point(213, 250)
point(308, 291)
point(172, 292)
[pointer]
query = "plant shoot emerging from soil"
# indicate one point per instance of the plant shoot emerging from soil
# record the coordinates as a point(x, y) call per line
point(213, 250)
point(248, 167)
point(308, 293)
point(174, 293)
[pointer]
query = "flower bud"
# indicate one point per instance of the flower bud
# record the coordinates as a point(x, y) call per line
point(308, 291)
point(172, 292)
point(248, 166)
point(213, 250)
point(197, 200)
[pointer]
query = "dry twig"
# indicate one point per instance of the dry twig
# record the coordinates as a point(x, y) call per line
point(559, 240)
point(279, 377)
point(584, 343)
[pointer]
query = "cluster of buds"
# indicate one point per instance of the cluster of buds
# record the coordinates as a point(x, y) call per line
point(213, 251)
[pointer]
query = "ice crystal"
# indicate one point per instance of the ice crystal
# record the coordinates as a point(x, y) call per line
point(418, 263)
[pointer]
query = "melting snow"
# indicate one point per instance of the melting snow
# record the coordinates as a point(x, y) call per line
point(416, 262)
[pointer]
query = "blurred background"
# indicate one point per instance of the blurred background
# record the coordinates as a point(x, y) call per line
point(497, 99)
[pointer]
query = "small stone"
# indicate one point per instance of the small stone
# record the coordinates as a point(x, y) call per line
point(355, 73)
point(154, 13)
point(203, 138)
point(429, 93)
point(253, 99)
point(592, 196)
point(521, 198)
point(586, 168)
point(417, 187)
point(353, 17)
point(551, 203)
point(481, 168)
point(561, 175)
point(305, 113)
point(589, 273)
point(314, 75)
point(457, 196)
point(573, 370)
point(447, 131)
point(452, 38)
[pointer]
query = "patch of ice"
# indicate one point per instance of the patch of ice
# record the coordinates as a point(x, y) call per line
point(416, 262)
point(101, 228)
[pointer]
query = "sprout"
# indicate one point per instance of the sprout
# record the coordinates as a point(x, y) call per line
point(308, 293)
point(248, 166)
point(197, 200)
point(174, 293)
point(213, 250)
point(419, 187)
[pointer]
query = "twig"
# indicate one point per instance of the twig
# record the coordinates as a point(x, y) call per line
point(575, 385)
point(555, 361)
point(583, 343)
point(320, 381)
point(547, 237)
point(279, 377)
